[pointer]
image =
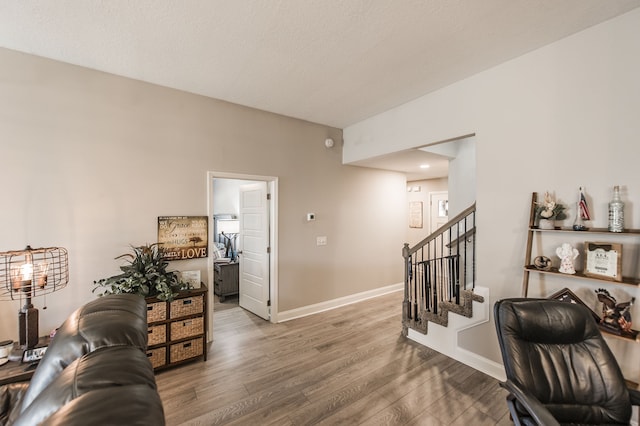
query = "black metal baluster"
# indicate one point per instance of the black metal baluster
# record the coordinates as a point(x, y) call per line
point(473, 267)
point(434, 270)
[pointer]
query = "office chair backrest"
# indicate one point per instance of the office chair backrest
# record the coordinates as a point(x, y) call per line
point(555, 351)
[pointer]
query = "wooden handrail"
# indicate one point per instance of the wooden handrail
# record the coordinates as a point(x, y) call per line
point(438, 270)
point(440, 231)
point(462, 237)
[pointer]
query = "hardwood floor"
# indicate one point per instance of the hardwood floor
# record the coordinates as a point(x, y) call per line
point(347, 366)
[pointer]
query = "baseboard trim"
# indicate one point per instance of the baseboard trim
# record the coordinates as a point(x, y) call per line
point(480, 363)
point(445, 339)
point(337, 303)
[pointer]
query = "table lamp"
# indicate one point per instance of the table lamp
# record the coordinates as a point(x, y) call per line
point(28, 273)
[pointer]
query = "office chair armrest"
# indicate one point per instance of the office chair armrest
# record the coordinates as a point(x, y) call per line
point(635, 396)
point(534, 407)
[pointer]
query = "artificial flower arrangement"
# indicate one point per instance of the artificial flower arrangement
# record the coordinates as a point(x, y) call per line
point(550, 209)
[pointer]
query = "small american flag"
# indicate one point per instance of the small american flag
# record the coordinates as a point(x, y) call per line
point(582, 205)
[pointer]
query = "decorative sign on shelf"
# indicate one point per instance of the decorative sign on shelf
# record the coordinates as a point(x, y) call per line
point(604, 260)
point(183, 237)
point(191, 277)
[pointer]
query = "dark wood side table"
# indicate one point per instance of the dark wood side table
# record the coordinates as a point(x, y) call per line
point(226, 279)
point(16, 371)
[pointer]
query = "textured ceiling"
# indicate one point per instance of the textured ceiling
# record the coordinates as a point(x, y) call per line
point(333, 62)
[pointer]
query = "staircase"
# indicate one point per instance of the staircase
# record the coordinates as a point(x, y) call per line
point(440, 275)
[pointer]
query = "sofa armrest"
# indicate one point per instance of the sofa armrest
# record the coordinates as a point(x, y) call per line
point(534, 407)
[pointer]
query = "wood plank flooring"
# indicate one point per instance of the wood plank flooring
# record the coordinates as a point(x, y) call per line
point(348, 366)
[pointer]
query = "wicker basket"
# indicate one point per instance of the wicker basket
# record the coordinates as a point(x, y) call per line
point(158, 356)
point(187, 328)
point(157, 334)
point(156, 311)
point(187, 306)
point(185, 350)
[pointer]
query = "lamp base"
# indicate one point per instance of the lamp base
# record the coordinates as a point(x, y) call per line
point(28, 326)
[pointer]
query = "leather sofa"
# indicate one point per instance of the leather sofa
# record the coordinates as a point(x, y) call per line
point(95, 371)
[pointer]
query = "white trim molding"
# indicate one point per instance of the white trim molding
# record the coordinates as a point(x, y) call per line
point(336, 303)
point(445, 339)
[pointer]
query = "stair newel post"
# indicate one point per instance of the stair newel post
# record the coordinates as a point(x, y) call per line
point(406, 304)
point(473, 255)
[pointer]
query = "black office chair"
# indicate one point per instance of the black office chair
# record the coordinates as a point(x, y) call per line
point(559, 368)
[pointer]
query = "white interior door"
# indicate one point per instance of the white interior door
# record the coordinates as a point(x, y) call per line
point(439, 202)
point(254, 247)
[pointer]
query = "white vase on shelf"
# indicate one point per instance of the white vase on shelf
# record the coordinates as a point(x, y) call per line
point(546, 224)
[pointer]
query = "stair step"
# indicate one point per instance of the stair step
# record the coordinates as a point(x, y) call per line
point(465, 308)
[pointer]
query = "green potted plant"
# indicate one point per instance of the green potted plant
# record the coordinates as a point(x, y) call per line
point(145, 274)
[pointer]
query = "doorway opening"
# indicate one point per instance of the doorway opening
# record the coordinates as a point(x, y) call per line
point(235, 203)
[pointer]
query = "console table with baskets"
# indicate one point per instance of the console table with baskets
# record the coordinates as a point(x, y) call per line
point(177, 329)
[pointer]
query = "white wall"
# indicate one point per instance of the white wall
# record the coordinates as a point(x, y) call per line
point(462, 176)
point(461, 171)
point(226, 195)
point(90, 160)
point(427, 186)
point(557, 118)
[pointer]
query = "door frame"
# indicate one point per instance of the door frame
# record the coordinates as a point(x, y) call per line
point(272, 188)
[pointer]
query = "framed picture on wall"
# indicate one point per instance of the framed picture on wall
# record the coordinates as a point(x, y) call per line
point(183, 237)
point(415, 214)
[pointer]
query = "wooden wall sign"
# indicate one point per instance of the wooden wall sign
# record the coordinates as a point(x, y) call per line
point(183, 237)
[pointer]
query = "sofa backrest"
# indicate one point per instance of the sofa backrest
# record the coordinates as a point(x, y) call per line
point(112, 320)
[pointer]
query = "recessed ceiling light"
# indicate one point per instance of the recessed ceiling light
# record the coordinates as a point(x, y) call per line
point(424, 166)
